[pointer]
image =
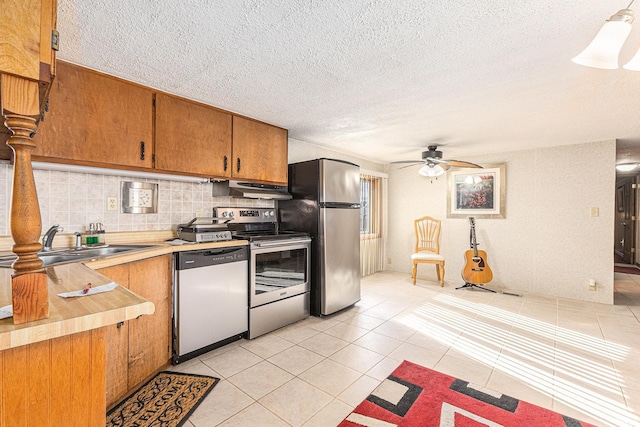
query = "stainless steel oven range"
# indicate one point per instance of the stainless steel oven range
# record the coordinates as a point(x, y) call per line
point(279, 266)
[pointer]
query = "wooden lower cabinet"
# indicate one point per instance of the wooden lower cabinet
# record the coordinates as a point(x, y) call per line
point(56, 382)
point(150, 336)
point(117, 338)
point(136, 349)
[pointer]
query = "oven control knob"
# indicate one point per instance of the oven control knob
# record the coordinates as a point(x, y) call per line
point(224, 214)
point(230, 214)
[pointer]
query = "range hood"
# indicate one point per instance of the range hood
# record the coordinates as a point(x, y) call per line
point(250, 190)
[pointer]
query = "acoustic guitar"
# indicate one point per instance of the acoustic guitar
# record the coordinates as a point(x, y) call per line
point(476, 270)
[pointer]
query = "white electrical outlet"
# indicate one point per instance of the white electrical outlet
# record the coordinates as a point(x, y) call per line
point(199, 214)
point(592, 284)
point(112, 203)
point(389, 260)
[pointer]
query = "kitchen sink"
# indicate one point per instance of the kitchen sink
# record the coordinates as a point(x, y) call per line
point(64, 256)
point(107, 250)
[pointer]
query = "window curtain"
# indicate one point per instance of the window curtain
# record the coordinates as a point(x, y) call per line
point(372, 222)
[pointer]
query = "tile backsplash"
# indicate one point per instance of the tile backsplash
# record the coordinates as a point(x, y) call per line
point(73, 200)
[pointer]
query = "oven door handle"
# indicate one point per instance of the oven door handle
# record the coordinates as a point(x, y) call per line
point(280, 243)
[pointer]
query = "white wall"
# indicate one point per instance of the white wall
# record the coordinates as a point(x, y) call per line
point(547, 244)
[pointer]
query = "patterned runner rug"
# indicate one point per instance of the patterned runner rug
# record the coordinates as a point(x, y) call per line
point(417, 396)
point(165, 400)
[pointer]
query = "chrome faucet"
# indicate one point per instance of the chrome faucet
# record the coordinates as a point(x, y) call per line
point(47, 239)
point(78, 241)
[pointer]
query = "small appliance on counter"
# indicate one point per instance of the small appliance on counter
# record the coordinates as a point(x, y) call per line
point(203, 230)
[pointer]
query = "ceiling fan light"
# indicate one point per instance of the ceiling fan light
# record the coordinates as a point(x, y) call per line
point(431, 171)
point(626, 167)
point(603, 51)
point(634, 64)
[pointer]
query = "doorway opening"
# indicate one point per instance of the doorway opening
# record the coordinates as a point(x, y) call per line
point(626, 238)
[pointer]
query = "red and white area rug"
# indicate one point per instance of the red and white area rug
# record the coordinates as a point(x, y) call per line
point(417, 396)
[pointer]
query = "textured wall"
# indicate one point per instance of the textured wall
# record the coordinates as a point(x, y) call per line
point(547, 244)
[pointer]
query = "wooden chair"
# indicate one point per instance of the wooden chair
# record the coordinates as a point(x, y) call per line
point(427, 249)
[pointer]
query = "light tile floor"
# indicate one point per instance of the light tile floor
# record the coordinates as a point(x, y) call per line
point(577, 358)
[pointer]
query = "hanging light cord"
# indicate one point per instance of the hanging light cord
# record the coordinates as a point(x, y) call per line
point(628, 7)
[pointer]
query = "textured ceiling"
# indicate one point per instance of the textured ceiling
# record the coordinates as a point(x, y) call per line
point(380, 79)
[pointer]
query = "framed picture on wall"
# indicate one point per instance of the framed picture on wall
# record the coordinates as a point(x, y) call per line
point(477, 192)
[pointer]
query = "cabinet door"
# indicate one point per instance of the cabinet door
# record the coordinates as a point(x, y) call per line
point(117, 343)
point(150, 336)
point(192, 138)
point(48, 19)
point(259, 151)
point(20, 28)
point(97, 120)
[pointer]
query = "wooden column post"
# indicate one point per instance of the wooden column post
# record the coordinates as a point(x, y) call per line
point(20, 108)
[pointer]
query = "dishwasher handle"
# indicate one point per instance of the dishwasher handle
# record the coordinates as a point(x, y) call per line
point(207, 257)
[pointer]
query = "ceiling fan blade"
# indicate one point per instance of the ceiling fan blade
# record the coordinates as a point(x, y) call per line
point(406, 161)
point(461, 164)
point(408, 166)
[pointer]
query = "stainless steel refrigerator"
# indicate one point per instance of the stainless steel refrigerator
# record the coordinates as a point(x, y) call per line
point(326, 204)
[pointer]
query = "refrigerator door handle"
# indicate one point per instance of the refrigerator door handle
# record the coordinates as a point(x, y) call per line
point(339, 205)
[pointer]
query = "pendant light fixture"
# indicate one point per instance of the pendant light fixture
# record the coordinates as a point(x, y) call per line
point(603, 51)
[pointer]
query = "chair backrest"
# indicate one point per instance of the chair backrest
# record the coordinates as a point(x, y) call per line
point(427, 234)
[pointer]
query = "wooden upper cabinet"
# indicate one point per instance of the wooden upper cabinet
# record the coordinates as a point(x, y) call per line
point(259, 151)
point(192, 138)
point(48, 40)
point(26, 46)
point(26, 27)
point(96, 119)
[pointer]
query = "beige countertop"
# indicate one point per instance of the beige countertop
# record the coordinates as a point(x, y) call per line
point(72, 315)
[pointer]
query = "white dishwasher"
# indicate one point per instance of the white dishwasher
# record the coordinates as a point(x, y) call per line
point(210, 300)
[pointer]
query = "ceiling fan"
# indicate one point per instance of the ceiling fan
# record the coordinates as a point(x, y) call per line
point(433, 163)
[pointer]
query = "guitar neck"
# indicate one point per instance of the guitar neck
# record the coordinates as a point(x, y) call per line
point(474, 245)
